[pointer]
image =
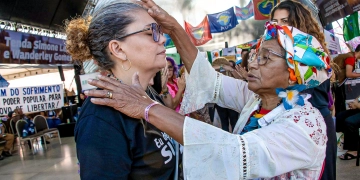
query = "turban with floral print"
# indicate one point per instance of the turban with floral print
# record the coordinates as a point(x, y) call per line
point(307, 61)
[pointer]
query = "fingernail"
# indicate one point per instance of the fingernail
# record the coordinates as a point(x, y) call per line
point(90, 80)
point(86, 92)
point(150, 11)
point(99, 76)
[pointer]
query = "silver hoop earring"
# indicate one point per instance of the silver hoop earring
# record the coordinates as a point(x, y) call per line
point(122, 65)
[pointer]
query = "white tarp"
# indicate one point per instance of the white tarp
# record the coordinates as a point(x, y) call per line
point(32, 98)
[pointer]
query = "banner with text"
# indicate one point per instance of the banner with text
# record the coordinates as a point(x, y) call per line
point(23, 48)
point(31, 99)
point(332, 10)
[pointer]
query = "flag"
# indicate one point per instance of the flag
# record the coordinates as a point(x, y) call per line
point(245, 12)
point(262, 8)
point(222, 21)
point(169, 43)
point(248, 45)
point(212, 55)
point(200, 34)
point(3, 82)
point(351, 30)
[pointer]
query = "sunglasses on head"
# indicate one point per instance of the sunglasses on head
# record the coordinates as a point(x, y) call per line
point(155, 29)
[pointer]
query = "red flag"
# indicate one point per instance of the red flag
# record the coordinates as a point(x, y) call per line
point(262, 8)
point(200, 34)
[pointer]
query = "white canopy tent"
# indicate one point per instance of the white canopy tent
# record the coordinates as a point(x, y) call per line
point(32, 75)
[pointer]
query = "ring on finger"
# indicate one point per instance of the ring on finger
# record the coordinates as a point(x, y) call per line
point(109, 95)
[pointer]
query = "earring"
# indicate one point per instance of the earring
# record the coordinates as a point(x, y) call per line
point(122, 65)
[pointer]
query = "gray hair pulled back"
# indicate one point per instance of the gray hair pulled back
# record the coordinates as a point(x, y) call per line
point(107, 22)
point(88, 38)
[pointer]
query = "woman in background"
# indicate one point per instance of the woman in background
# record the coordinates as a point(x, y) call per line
point(174, 86)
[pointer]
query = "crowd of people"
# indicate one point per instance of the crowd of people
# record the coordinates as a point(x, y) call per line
point(275, 108)
point(347, 115)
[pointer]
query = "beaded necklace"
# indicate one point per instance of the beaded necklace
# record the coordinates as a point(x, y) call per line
point(150, 90)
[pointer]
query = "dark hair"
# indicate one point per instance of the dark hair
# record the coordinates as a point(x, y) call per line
point(254, 46)
point(244, 62)
point(10, 114)
point(301, 18)
point(175, 68)
point(357, 49)
point(233, 63)
point(88, 38)
point(157, 83)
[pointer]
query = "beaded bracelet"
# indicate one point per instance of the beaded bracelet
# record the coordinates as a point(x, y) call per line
point(147, 111)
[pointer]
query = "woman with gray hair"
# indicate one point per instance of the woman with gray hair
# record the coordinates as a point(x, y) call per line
point(123, 39)
point(279, 134)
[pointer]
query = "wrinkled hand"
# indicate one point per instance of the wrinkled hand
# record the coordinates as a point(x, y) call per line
point(241, 71)
point(181, 82)
point(130, 100)
point(164, 77)
point(167, 22)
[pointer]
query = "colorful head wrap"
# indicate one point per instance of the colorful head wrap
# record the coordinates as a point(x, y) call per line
point(307, 61)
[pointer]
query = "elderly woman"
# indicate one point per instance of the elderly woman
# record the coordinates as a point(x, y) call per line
point(292, 13)
point(283, 135)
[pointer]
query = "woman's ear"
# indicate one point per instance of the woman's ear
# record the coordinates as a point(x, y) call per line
point(116, 50)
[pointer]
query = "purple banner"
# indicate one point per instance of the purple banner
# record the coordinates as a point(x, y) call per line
point(23, 48)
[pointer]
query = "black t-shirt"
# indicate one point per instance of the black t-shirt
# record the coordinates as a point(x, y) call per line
point(111, 145)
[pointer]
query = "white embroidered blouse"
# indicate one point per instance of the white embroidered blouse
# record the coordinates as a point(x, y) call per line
point(290, 144)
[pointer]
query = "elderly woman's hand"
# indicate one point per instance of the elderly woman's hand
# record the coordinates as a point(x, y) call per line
point(130, 100)
point(167, 22)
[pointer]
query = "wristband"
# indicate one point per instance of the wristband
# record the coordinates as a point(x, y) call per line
point(147, 111)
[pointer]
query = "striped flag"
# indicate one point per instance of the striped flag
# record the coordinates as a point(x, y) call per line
point(245, 12)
